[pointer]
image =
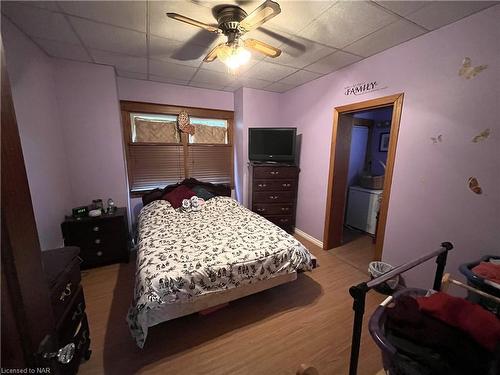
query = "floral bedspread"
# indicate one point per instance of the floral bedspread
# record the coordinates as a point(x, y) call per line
point(183, 255)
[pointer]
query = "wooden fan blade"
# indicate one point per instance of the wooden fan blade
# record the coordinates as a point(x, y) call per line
point(190, 21)
point(267, 10)
point(212, 55)
point(262, 47)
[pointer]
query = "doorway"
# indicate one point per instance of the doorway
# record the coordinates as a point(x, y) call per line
point(366, 167)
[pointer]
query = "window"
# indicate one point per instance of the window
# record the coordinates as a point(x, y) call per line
point(158, 154)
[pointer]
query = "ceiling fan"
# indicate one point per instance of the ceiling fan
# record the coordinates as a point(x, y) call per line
point(234, 22)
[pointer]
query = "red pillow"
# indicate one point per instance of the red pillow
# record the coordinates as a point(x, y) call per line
point(176, 196)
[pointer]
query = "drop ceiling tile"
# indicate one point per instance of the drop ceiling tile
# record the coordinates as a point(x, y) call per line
point(333, 62)
point(387, 37)
point(211, 86)
point(132, 75)
point(120, 62)
point(275, 38)
point(403, 8)
point(440, 13)
point(171, 71)
point(210, 76)
point(255, 83)
point(219, 66)
point(303, 53)
point(168, 80)
point(128, 14)
point(48, 5)
point(63, 50)
point(295, 15)
point(299, 78)
point(163, 26)
point(109, 38)
point(279, 87)
point(346, 22)
point(269, 72)
point(176, 52)
point(40, 23)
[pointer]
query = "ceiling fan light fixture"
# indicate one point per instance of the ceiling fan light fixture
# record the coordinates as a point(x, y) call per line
point(234, 56)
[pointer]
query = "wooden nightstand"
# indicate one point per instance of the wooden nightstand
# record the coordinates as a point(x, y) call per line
point(102, 240)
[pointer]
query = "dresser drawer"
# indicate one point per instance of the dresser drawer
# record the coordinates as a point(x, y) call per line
point(280, 220)
point(273, 208)
point(278, 185)
point(274, 196)
point(67, 326)
point(63, 291)
point(99, 255)
point(276, 172)
point(76, 232)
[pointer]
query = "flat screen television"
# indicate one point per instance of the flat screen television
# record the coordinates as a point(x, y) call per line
point(272, 144)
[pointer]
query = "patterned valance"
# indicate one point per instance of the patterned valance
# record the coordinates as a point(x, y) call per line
point(156, 131)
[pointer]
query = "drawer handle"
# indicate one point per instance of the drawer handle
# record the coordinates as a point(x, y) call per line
point(274, 172)
point(99, 253)
point(285, 208)
point(64, 355)
point(97, 241)
point(262, 185)
point(78, 312)
point(286, 185)
point(66, 292)
point(261, 209)
point(95, 229)
point(284, 220)
point(273, 197)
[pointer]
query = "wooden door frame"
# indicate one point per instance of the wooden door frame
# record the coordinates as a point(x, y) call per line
point(396, 101)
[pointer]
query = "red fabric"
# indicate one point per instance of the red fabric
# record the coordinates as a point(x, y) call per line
point(176, 196)
point(488, 271)
point(480, 324)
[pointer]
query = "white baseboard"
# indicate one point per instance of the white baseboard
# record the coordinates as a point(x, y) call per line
point(308, 237)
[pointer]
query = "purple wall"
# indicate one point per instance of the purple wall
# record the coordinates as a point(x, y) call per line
point(253, 108)
point(31, 77)
point(90, 116)
point(164, 93)
point(430, 201)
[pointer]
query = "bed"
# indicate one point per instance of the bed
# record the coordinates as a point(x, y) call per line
point(191, 261)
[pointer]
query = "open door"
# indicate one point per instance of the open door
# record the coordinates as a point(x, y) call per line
point(339, 173)
point(339, 166)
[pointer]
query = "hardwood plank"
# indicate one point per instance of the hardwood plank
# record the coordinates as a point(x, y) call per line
point(273, 332)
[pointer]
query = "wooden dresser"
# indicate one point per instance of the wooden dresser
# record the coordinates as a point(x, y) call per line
point(102, 240)
point(274, 192)
point(62, 271)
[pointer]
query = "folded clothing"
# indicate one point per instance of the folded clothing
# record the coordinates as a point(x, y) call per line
point(488, 270)
point(481, 325)
point(438, 347)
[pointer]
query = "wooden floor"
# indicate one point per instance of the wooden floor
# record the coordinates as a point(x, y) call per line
point(272, 332)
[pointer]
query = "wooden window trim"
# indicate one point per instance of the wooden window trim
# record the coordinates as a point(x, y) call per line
point(127, 107)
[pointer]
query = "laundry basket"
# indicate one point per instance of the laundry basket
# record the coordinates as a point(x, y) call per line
point(479, 283)
point(401, 363)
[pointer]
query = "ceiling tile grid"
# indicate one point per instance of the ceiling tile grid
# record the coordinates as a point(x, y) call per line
point(316, 37)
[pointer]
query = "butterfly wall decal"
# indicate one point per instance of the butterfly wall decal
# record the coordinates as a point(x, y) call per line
point(468, 71)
